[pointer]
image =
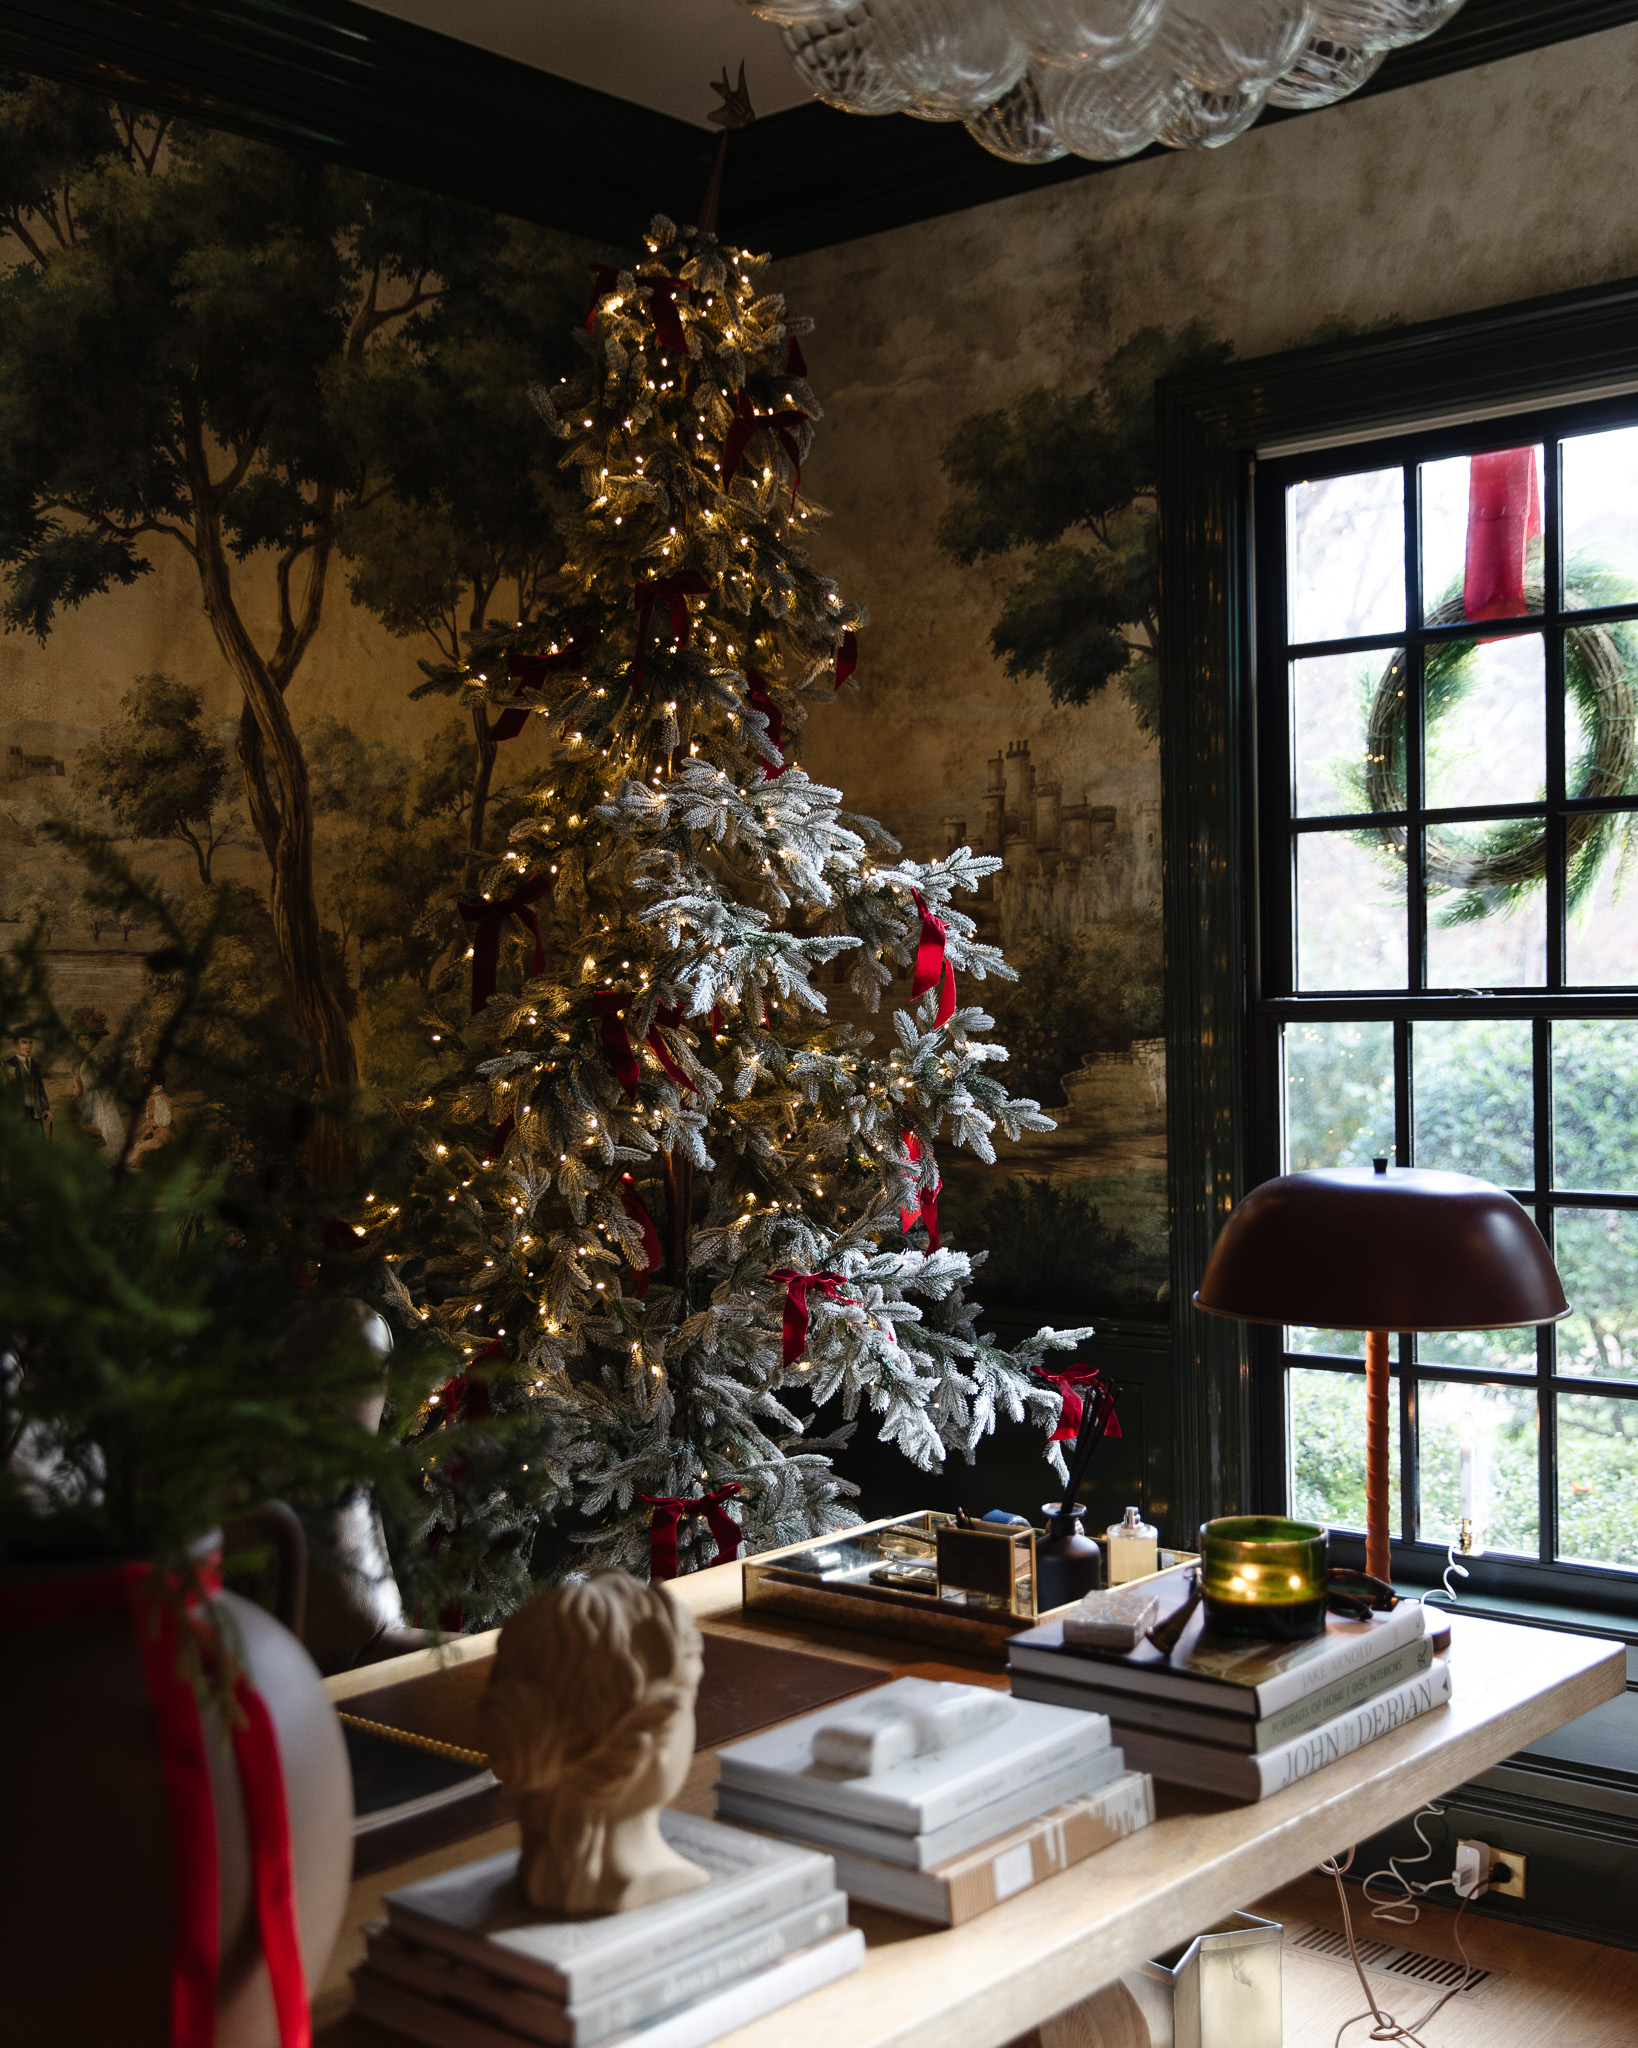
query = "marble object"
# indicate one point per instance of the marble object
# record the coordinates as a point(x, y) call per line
point(923, 1715)
point(589, 1717)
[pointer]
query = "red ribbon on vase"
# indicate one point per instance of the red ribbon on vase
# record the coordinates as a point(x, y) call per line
point(669, 1510)
point(611, 1006)
point(747, 423)
point(159, 1610)
point(529, 672)
point(759, 700)
point(1080, 1385)
point(932, 964)
point(637, 1210)
point(798, 1286)
point(1503, 518)
point(676, 590)
point(487, 918)
point(927, 1212)
point(847, 658)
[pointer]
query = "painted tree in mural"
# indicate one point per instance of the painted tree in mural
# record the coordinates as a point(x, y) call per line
point(664, 1205)
point(1072, 477)
point(211, 345)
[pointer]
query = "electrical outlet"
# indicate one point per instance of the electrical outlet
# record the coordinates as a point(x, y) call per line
point(1480, 1869)
point(1507, 1873)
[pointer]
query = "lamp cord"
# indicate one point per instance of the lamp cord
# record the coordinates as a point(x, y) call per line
point(1453, 1568)
point(1401, 1911)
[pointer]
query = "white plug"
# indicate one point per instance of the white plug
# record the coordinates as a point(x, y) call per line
point(1471, 1877)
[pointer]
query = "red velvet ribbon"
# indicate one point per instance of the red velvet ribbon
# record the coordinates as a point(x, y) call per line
point(1503, 518)
point(797, 1288)
point(932, 964)
point(497, 1143)
point(759, 700)
point(927, 1211)
point(1096, 1390)
point(795, 364)
point(637, 1210)
point(747, 423)
point(847, 658)
point(529, 672)
point(669, 1510)
point(196, 1936)
point(676, 590)
point(662, 310)
point(488, 919)
point(605, 277)
point(611, 1005)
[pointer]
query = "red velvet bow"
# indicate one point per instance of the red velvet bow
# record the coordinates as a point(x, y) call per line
point(1097, 1390)
point(669, 1510)
point(932, 965)
point(927, 1212)
point(847, 658)
point(529, 672)
point(637, 1210)
point(747, 423)
point(797, 1288)
point(611, 1005)
point(605, 276)
point(676, 590)
point(497, 1143)
point(488, 918)
point(759, 700)
point(1503, 518)
point(159, 1612)
point(662, 310)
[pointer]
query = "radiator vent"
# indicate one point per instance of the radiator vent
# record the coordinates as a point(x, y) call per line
point(1383, 1960)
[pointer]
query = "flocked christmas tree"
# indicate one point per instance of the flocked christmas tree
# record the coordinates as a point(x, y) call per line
point(682, 1223)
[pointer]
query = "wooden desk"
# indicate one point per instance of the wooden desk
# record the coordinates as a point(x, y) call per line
point(1052, 1947)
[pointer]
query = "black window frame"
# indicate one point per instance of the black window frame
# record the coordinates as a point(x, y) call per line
point(1445, 378)
point(1276, 1002)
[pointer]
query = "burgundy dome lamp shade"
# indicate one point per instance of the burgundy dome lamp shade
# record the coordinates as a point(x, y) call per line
point(1389, 1248)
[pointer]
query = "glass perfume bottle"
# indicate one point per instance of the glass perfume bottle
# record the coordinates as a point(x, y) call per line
point(1134, 1548)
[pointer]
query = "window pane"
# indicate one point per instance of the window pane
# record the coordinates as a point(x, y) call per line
point(1347, 556)
point(1473, 1106)
point(1601, 933)
point(1601, 519)
point(1326, 1343)
point(1487, 906)
point(1497, 1350)
point(1595, 1104)
point(1597, 1480)
point(1350, 914)
point(1335, 699)
point(1481, 536)
point(1327, 1448)
point(1338, 1094)
point(1596, 1251)
point(1486, 722)
point(1497, 1425)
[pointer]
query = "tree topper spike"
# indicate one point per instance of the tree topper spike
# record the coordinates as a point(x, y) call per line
point(736, 110)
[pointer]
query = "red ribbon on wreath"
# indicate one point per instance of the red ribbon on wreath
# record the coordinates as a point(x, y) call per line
point(927, 1211)
point(747, 423)
point(676, 590)
point(160, 1609)
point(797, 1288)
point(759, 700)
point(1079, 1385)
point(637, 1210)
point(847, 658)
point(529, 672)
point(669, 1510)
point(487, 918)
point(932, 963)
point(611, 1005)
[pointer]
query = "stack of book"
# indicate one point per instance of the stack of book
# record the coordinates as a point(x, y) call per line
point(461, 1961)
point(1242, 1718)
point(946, 1834)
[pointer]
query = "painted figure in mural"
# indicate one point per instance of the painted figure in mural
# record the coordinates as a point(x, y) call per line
point(158, 1126)
point(25, 1071)
point(99, 1106)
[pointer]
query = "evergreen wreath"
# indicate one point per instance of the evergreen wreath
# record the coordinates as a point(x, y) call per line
point(1600, 660)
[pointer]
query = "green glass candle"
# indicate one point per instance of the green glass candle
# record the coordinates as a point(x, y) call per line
point(1263, 1576)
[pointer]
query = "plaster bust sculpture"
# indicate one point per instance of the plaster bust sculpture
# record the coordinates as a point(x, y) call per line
point(589, 1717)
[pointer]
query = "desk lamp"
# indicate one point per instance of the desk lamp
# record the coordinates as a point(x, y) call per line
point(1381, 1248)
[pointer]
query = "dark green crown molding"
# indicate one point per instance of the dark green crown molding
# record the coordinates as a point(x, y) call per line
point(345, 82)
point(1210, 428)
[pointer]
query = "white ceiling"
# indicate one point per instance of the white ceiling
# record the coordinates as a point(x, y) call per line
point(660, 53)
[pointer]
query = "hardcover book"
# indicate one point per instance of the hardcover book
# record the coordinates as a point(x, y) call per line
point(478, 1913)
point(924, 1792)
point(921, 1852)
point(1233, 1677)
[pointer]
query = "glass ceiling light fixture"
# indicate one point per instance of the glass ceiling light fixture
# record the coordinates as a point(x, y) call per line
point(1034, 80)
